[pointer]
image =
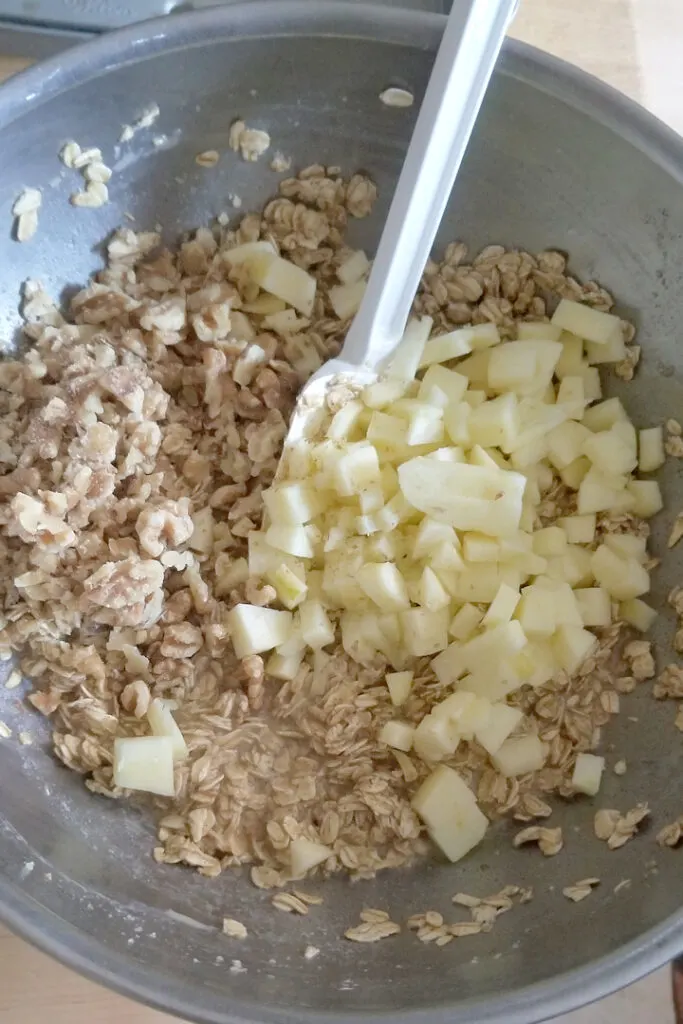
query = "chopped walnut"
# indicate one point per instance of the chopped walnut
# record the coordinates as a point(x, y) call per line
point(669, 683)
point(674, 446)
point(168, 525)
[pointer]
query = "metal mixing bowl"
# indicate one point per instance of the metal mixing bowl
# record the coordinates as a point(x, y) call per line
point(557, 160)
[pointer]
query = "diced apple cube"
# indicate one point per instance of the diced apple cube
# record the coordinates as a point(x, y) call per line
point(239, 254)
point(592, 385)
point(384, 584)
point(551, 540)
point(353, 267)
point(535, 612)
point(572, 646)
point(406, 359)
point(482, 653)
point(450, 811)
point(651, 453)
point(571, 362)
point(397, 510)
point(502, 607)
point(345, 420)
point(587, 774)
point(467, 497)
point(610, 452)
point(425, 632)
point(476, 547)
point(595, 605)
point(529, 330)
point(357, 469)
point(450, 384)
point(572, 395)
point(579, 529)
point(285, 280)
point(493, 686)
point(304, 855)
point(647, 497)
point(503, 720)
point(424, 428)
point(162, 723)
point(253, 629)
point(565, 443)
point(604, 415)
point(612, 352)
point(638, 614)
point(598, 492)
point(293, 503)
point(495, 423)
point(430, 534)
point(383, 393)
point(145, 764)
point(519, 756)
point(624, 578)
point(513, 367)
point(435, 738)
point(465, 622)
point(316, 629)
point(291, 590)
point(573, 474)
point(284, 666)
point(386, 429)
point(627, 545)
point(456, 421)
point(294, 540)
point(587, 323)
point(397, 734)
point(399, 685)
point(431, 593)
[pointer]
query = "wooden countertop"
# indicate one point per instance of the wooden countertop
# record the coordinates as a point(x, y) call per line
point(629, 43)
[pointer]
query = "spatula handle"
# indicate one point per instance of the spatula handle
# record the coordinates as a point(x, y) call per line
point(472, 38)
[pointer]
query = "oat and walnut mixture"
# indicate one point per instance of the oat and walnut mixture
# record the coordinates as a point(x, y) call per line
point(137, 436)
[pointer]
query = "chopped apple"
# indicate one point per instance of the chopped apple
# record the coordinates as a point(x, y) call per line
point(610, 452)
point(482, 653)
point(572, 646)
point(425, 632)
point(316, 629)
point(624, 578)
point(431, 593)
point(595, 605)
point(291, 590)
point(467, 712)
point(502, 607)
point(253, 629)
point(384, 392)
point(353, 268)
point(565, 443)
point(399, 685)
point(424, 427)
point(638, 614)
point(384, 584)
point(587, 323)
point(397, 510)
point(437, 382)
point(304, 855)
point(598, 492)
point(397, 734)
point(406, 359)
point(430, 534)
point(538, 331)
point(571, 362)
point(552, 540)
point(503, 720)
point(465, 622)
point(449, 810)
point(293, 504)
point(627, 545)
point(386, 429)
point(346, 420)
point(604, 415)
point(519, 756)
point(579, 529)
point(247, 251)
point(647, 497)
point(162, 723)
point(592, 386)
point(476, 547)
point(535, 612)
point(587, 774)
point(495, 423)
point(357, 469)
point(573, 474)
point(294, 540)
point(456, 421)
point(572, 395)
point(467, 497)
point(145, 764)
point(284, 666)
point(612, 352)
point(282, 278)
point(435, 738)
point(513, 367)
point(651, 453)
point(493, 686)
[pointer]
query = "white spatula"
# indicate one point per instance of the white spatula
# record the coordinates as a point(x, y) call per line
point(463, 67)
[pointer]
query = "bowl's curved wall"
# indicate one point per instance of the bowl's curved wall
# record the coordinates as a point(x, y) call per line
point(556, 161)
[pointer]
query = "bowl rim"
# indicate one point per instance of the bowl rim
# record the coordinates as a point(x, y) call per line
point(578, 89)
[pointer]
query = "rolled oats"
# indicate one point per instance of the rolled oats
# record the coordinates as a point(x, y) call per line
point(235, 929)
point(549, 840)
point(372, 931)
point(579, 890)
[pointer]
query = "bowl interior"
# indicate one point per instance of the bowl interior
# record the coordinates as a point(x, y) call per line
point(550, 166)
